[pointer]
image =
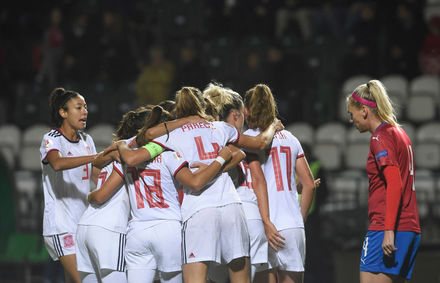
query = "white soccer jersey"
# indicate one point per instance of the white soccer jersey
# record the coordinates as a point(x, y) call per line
point(152, 189)
point(65, 192)
point(114, 213)
point(246, 192)
point(201, 142)
point(278, 164)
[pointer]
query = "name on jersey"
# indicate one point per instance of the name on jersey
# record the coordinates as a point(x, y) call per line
point(192, 126)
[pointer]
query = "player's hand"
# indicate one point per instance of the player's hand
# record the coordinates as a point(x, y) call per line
point(278, 124)
point(115, 155)
point(317, 183)
point(388, 243)
point(133, 144)
point(274, 238)
point(110, 148)
point(225, 153)
point(195, 119)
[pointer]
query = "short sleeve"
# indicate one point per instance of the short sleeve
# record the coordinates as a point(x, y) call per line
point(174, 161)
point(118, 168)
point(49, 143)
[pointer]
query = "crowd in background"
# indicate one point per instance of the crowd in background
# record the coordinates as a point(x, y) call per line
point(145, 50)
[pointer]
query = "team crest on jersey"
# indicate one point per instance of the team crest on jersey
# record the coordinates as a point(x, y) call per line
point(88, 149)
point(69, 154)
point(48, 143)
point(68, 241)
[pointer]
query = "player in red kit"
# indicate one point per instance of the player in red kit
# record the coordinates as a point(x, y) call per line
point(393, 236)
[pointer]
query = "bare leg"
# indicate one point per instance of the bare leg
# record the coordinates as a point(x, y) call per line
point(370, 277)
point(239, 270)
point(266, 276)
point(195, 272)
point(291, 277)
point(70, 270)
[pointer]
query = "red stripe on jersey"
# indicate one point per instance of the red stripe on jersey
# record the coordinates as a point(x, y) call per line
point(180, 167)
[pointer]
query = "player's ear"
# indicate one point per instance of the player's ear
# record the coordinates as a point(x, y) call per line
point(63, 113)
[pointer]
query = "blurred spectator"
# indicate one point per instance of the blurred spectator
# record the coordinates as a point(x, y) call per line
point(404, 39)
point(293, 18)
point(156, 79)
point(430, 56)
point(252, 72)
point(190, 71)
point(112, 51)
point(52, 50)
point(363, 31)
point(80, 63)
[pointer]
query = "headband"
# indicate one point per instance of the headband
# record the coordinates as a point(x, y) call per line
point(363, 101)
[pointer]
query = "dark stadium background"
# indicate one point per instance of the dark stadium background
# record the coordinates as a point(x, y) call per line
point(311, 53)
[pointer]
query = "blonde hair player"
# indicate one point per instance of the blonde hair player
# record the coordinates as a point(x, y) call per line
point(154, 232)
point(225, 238)
point(251, 186)
point(393, 236)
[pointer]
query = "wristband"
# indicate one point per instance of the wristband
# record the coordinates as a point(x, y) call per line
point(154, 149)
point(220, 160)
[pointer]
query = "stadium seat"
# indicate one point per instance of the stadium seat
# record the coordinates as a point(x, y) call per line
point(427, 156)
point(429, 132)
point(355, 155)
point(29, 158)
point(102, 135)
point(33, 135)
point(421, 109)
point(353, 82)
point(329, 155)
point(425, 194)
point(409, 130)
point(303, 131)
point(396, 85)
point(331, 132)
point(425, 85)
point(354, 136)
point(10, 136)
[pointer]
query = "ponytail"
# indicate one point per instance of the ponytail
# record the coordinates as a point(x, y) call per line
point(189, 101)
point(261, 106)
point(374, 95)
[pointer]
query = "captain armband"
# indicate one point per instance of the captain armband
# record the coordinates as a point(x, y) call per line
point(154, 149)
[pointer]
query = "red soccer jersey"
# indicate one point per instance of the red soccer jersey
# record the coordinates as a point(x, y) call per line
point(390, 145)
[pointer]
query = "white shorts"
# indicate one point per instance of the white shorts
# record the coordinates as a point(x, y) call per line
point(292, 256)
point(157, 247)
point(98, 248)
point(258, 242)
point(215, 234)
point(60, 245)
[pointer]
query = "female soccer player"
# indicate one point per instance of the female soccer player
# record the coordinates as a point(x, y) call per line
point(225, 238)
point(250, 184)
point(67, 157)
point(154, 233)
point(279, 165)
point(393, 237)
point(101, 229)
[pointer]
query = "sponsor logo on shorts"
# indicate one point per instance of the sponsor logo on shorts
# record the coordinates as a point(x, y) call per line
point(68, 241)
point(191, 255)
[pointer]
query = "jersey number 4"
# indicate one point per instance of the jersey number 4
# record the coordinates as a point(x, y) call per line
point(153, 192)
